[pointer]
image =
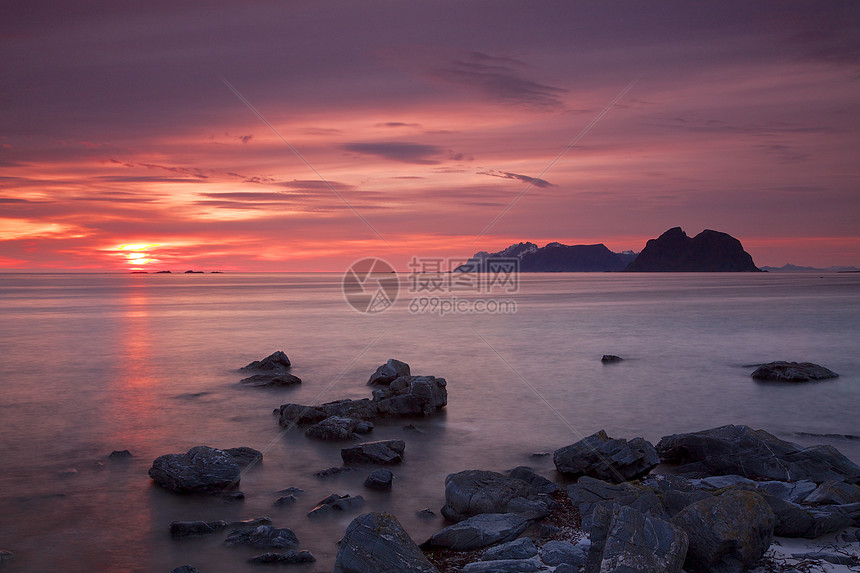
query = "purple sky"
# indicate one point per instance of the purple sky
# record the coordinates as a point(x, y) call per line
point(121, 145)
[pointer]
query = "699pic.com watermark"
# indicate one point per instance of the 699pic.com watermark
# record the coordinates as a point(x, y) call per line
point(434, 285)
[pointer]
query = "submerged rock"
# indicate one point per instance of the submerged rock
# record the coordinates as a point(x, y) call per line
point(271, 380)
point(335, 502)
point(389, 372)
point(191, 528)
point(335, 428)
point(376, 542)
point(384, 452)
point(754, 454)
point(120, 455)
point(200, 470)
point(275, 361)
point(792, 372)
point(609, 358)
point(262, 536)
point(601, 457)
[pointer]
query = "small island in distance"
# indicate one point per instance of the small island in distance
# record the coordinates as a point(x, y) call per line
point(673, 251)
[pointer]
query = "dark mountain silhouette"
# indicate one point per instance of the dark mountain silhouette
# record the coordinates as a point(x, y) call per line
point(554, 257)
point(709, 251)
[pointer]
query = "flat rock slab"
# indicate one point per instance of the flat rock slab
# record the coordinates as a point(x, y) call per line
point(384, 452)
point(200, 470)
point(479, 531)
point(377, 542)
point(792, 372)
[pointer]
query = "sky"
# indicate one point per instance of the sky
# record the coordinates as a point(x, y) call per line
point(303, 136)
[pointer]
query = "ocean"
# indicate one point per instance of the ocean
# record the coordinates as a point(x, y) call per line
point(91, 363)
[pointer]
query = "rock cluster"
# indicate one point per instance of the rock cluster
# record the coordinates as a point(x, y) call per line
point(792, 372)
point(271, 371)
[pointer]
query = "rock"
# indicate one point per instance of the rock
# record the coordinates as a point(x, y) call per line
point(389, 372)
point(364, 409)
point(473, 492)
point(537, 482)
point(384, 452)
point(834, 493)
point(834, 558)
point(290, 557)
point(791, 519)
point(794, 492)
point(610, 358)
point(781, 371)
point(271, 380)
point(557, 552)
point(333, 471)
point(297, 414)
point(625, 540)
point(426, 513)
point(522, 548)
point(233, 495)
point(379, 479)
point(335, 502)
point(200, 470)
point(253, 522)
point(602, 457)
point(376, 542)
point(245, 456)
point(288, 499)
point(830, 518)
point(275, 361)
point(479, 531)
point(262, 536)
point(291, 491)
point(505, 566)
point(412, 395)
point(709, 251)
point(190, 528)
point(6, 555)
point(120, 455)
point(727, 533)
point(754, 454)
point(335, 428)
point(185, 568)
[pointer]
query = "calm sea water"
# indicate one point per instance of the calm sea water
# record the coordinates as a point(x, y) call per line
point(95, 363)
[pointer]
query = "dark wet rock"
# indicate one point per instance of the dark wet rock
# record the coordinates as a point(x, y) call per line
point(791, 519)
point(6, 555)
point(191, 528)
point(384, 452)
point(587, 493)
point(337, 428)
point(834, 493)
point(727, 533)
point(538, 483)
point(565, 568)
point(291, 491)
point(299, 415)
point(522, 548)
point(271, 380)
point(781, 371)
point(185, 568)
point(275, 361)
point(674, 501)
point(479, 531)
point(556, 552)
point(333, 471)
point(754, 454)
point(200, 470)
point(530, 508)
point(426, 513)
point(233, 495)
point(290, 557)
point(505, 566)
point(364, 409)
point(376, 542)
point(610, 358)
point(794, 492)
point(262, 536)
point(288, 499)
point(412, 395)
point(379, 479)
point(625, 540)
point(335, 502)
point(389, 372)
point(252, 522)
point(601, 457)
point(473, 492)
point(709, 251)
point(120, 455)
point(245, 456)
point(830, 518)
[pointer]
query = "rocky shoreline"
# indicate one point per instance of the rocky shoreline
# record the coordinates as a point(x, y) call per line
point(707, 501)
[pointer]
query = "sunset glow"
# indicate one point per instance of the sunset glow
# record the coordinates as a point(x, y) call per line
point(395, 143)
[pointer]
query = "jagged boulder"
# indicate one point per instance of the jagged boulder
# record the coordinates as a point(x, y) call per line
point(376, 542)
point(412, 395)
point(473, 492)
point(601, 457)
point(389, 372)
point(624, 540)
point(380, 479)
point(728, 533)
point(276, 361)
point(383, 452)
point(200, 470)
point(754, 454)
point(792, 372)
point(299, 415)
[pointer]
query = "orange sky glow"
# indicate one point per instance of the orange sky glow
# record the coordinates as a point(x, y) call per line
point(121, 147)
